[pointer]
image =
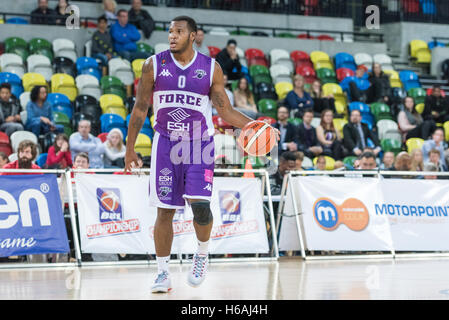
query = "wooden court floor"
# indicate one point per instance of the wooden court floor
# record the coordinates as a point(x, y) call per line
point(289, 278)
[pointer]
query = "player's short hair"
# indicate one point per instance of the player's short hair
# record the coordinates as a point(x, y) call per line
point(191, 24)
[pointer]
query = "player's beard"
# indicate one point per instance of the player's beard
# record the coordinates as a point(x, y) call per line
point(184, 47)
point(24, 163)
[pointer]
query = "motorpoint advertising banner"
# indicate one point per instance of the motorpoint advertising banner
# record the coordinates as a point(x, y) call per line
point(345, 214)
point(115, 216)
point(31, 217)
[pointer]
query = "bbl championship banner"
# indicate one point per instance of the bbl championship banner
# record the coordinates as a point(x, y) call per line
point(32, 221)
point(115, 216)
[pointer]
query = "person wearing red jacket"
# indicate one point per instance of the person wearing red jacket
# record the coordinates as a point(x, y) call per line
point(59, 156)
point(26, 153)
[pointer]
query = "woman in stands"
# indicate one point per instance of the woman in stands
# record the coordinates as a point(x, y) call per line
point(244, 99)
point(114, 150)
point(412, 124)
point(417, 160)
point(60, 11)
point(380, 89)
point(328, 136)
point(320, 102)
point(59, 156)
point(110, 7)
point(3, 159)
point(298, 99)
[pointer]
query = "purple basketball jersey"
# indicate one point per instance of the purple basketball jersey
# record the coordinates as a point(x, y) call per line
point(181, 102)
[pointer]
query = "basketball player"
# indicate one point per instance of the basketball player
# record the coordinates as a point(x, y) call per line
point(181, 84)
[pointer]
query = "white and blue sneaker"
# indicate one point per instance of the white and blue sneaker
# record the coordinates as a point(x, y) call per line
point(162, 283)
point(198, 270)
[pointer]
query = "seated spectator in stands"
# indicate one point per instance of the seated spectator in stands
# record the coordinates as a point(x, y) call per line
point(114, 155)
point(199, 45)
point(299, 159)
point(244, 99)
point(417, 160)
point(43, 15)
point(59, 156)
point(289, 132)
point(320, 163)
point(436, 142)
point(298, 100)
point(308, 141)
point(434, 156)
point(380, 89)
point(125, 36)
point(83, 141)
point(430, 167)
point(367, 161)
point(3, 159)
point(81, 161)
point(109, 7)
point(10, 120)
point(320, 102)
point(26, 153)
point(411, 122)
point(229, 60)
point(358, 91)
point(387, 160)
point(60, 12)
point(40, 114)
point(227, 89)
point(356, 134)
point(287, 162)
point(141, 18)
point(436, 106)
point(102, 45)
point(403, 162)
point(328, 137)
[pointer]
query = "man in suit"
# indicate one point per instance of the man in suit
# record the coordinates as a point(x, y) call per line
point(289, 132)
point(356, 135)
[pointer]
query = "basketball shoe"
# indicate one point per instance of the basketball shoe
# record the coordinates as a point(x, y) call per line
point(162, 283)
point(198, 270)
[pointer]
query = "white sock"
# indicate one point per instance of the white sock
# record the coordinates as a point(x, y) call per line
point(203, 247)
point(162, 263)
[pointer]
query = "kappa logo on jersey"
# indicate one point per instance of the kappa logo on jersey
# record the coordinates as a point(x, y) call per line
point(165, 73)
point(199, 74)
point(110, 204)
point(229, 206)
point(178, 114)
point(208, 187)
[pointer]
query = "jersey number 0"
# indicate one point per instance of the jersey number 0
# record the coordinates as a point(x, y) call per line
point(181, 82)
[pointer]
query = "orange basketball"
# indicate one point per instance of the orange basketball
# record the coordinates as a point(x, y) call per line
point(257, 138)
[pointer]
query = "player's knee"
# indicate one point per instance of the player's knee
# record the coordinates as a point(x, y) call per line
point(201, 212)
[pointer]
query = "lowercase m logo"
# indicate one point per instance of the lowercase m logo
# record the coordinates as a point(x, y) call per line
point(353, 213)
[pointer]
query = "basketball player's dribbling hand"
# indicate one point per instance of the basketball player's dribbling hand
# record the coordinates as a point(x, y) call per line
point(132, 161)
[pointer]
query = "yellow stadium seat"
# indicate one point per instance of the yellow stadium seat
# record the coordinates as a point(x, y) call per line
point(65, 84)
point(395, 81)
point(330, 162)
point(446, 130)
point(339, 124)
point(414, 143)
point(108, 100)
point(143, 145)
point(319, 56)
point(31, 79)
point(323, 64)
point(152, 121)
point(282, 88)
point(137, 67)
point(420, 107)
point(420, 51)
point(340, 107)
point(121, 111)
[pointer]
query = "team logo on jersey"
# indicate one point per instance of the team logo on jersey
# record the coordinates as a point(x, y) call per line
point(199, 74)
point(178, 114)
point(163, 62)
point(165, 73)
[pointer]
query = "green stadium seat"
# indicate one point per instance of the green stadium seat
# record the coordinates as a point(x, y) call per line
point(262, 78)
point(256, 162)
point(381, 111)
point(18, 46)
point(267, 107)
point(143, 47)
point(349, 161)
point(327, 75)
point(391, 145)
point(295, 121)
point(256, 70)
point(41, 46)
point(418, 95)
point(285, 35)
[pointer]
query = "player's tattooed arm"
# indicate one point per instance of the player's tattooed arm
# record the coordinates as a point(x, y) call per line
point(221, 102)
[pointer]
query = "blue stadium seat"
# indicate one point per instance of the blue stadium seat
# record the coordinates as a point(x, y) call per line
point(17, 20)
point(428, 7)
point(146, 123)
point(15, 82)
point(41, 159)
point(148, 131)
point(85, 63)
point(345, 60)
point(409, 79)
point(64, 109)
point(93, 72)
point(59, 99)
point(434, 44)
point(362, 107)
point(368, 119)
point(111, 120)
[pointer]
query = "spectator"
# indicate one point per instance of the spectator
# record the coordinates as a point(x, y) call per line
point(199, 45)
point(367, 161)
point(26, 153)
point(417, 160)
point(244, 99)
point(114, 150)
point(403, 162)
point(10, 120)
point(298, 100)
point(3, 159)
point(289, 132)
point(308, 142)
point(83, 141)
point(436, 106)
point(320, 102)
point(60, 12)
point(124, 36)
point(141, 18)
point(430, 167)
point(109, 7)
point(81, 161)
point(436, 142)
point(59, 156)
point(40, 114)
point(411, 123)
point(328, 136)
point(102, 46)
point(287, 162)
point(380, 89)
point(356, 134)
point(228, 92)
point(320, 163)
point(43, 15)
point(229, 60)
point(299, 156)
point(358, 87)
point(387, 161)
point(434, 156)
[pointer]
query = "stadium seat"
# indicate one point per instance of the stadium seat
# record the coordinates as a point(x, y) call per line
point(298, 55)
point(428, 7)
point(330, 162)
point(144, 47)
point(109, 121)
point(446, 130)
point(218, 31)
point(62, 119)
point(213, 51)
point(420, 51)
point(78, 116)
point(256, 70)
point(60, 103)
point(15, 82)
point(265, 90)
point(344, 60)
point(307, 72)
point(433, 44)
point(305, 36)
point(395, 81)
point(88, 85)
point(384, 126)
point(24, 99)
point(112, 85)
point(420, 108)
point(85, 65)
point(342, 73)
point(31, 80)
point(398, 95)
point(40, 64)
point(326, 75)
point(162, 46)
point(414, 143)
point(41, 47)
point(267, 107)
point(226, 144)
point(84, 100)
point(418, 95)
point(339, 124)
point(381, 111)
point(384, 60)
point(278, 54)
point(256, 162)
point(285, 35)
point(41, 160)
point(110, 100)
point(319, 56)
point(4, 139)
point(279, 71)
point(362, 107)
point(363, 59)
point(64, 48)
point(17, 20)
point(64, 83)
point(17, 46)
point(409, 79)
point(13, 63)
point(143, 145)
point(349, 161)
point(391, 145)
point(121, 69)
point(254, 53)
point(103, 136)
point(64, 65)
point(325, 37)
point(282, 88)
point(137, 66)
point(19, 136)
